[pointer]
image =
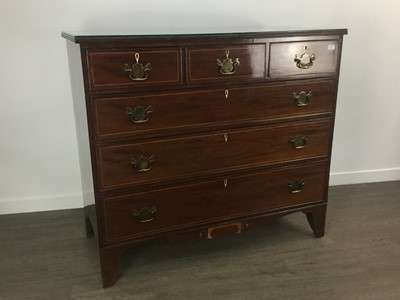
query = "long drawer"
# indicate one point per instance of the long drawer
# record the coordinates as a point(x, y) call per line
point(157, 113)
point(157, 211)
point(178, 158)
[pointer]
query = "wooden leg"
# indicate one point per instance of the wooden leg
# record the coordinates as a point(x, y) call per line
point(316, 218)
point(90, 217)
point(110, 259)
point(89, 227)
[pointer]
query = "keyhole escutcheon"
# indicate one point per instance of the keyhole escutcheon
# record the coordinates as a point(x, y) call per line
point(225, 183)
point(226, 137)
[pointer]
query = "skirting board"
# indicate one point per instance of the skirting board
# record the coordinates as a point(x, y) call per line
point(364, 176)
point(44, 203)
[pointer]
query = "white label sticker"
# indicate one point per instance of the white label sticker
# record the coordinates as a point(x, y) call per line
point(331, 47)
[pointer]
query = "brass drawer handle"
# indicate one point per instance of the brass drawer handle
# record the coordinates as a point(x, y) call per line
point(228, 66)
point(139, 114)
point(138, 71)
point(296, 187)
point(143, 163)
point(304, 61)
point(145, 214)
point(299, 141)
point(302, 99)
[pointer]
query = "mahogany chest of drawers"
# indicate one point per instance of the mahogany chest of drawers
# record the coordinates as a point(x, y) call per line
point(197, 136)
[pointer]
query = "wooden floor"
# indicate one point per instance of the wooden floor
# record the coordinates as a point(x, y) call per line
point(46, 256)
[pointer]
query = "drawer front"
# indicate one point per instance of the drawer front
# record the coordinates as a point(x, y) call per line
point(180, 158)
point(167, 209)
point(166, 113)
point(134, 68)
point(229, 62)
point(303, 58)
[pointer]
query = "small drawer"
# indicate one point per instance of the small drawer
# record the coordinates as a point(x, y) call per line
point(167, 113)
point(134, 68)
point(168, 209)
point(172, 159)
point(229, 62)
point(311, 58)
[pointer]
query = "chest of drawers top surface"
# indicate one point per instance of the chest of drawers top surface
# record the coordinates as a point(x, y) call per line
point(157, 37)
point(200, 135)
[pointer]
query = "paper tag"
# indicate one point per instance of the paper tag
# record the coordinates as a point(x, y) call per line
point(331, 47)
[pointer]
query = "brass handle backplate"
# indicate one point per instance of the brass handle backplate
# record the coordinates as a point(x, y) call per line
point(304, 61)
point(228, 66)
point(137, 71)
point(143, 163)
point(296, 187)
point(302, 99)
point(299, 141)
point(139, 114)
point(145, 214)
